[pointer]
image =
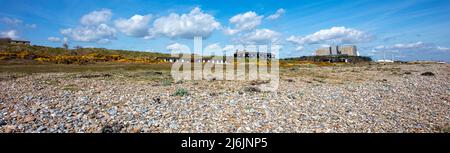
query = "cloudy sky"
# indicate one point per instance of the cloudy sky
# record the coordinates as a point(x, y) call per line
point(403, 29)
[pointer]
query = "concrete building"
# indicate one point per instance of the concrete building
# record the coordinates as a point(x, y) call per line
point(337, 50)
point(192, 60)
point(348, 50)
point(220, 60)
point(385, 61)
point(323, 51)
point(245, 54)
point(11, 41)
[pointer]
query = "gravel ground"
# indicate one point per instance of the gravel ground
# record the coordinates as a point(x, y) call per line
point(369, 98)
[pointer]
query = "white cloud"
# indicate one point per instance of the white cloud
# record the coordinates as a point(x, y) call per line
point(9, 34)
point(299, 48)
point(229, 48)
point(412, 51)
point(442, 48)
point(96, 17)
point(229, 31)
point(11, 21)
point(324, 45)
point(176, 47)
point(213, 47)
point(380, 47)
point(54, 39)
point(196, 23)
point(259, 36)
point(243, 22)
point(335, 35)
point(149, 37)
point(93, 28)
point(414, 46)
point(409, 45)
point(32, 26)
point(136, 26)
point(276, 15)
point(16, 22)
point(65, 40)
point(101, 33)
point(104, 41)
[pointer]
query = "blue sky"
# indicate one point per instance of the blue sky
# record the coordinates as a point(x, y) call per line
point(403, 29)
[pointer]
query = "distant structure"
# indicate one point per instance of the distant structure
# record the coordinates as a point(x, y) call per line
point(385, 61)
point(223, 60)
point(337, 50)
point(65, 43)
point(245, 54)
point(66, 46)
point(11, 41)
point(347, 54)
point(192, 60)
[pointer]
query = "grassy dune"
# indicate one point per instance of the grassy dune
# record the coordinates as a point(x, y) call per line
point(42, 54)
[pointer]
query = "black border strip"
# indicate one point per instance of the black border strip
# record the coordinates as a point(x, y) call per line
point(172, 142)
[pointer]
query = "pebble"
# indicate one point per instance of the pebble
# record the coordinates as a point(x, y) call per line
point(2, 123)
point(29, 118)
point(112, 111)
point(41, 128)
point(9, 128)
point(344, 101)
point(85, 99)
point(173, 125)
point(28, 98)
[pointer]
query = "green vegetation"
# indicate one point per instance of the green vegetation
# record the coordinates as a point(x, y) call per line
point(102, 67)
point(166, 83)
point(70, 87)
point(252, 89)
point(42, 54)
point(181, 92)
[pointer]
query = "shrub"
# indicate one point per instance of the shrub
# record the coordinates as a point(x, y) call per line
point(252, 89)
point(181, 92)
point(166, 83)
point(428, 74)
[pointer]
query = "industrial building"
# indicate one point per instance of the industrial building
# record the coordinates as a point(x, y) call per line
point(337, 50)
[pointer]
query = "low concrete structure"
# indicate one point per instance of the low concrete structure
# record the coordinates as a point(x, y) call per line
point(245, 54)
point(219, 59)
point(198, 60)
point(11, 41)
point(385, 61)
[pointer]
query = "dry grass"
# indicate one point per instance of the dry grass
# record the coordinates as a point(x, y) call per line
point(303, 71)
point(71, 87)
point(68, 68)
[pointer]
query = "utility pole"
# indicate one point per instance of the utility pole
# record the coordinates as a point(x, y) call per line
point(66, 46)
point(392, 57)
point(65, 43)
